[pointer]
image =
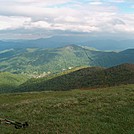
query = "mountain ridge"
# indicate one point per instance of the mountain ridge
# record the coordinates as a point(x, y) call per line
point(90, 77)
point(36, 60)
point(61, 41)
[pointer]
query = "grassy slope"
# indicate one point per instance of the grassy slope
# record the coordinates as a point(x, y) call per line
point(10, 81)
point(103, 111)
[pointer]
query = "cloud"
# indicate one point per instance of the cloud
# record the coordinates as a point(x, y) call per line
point(45, 17)
point(96, 3)
point(8, 23)
point(118, 1)
point(45, 2)
point(132, 6)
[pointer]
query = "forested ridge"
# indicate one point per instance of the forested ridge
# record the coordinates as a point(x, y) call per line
point(36, 61)
point(90, 77)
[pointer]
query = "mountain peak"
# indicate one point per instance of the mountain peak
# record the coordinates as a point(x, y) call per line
point(72, 47)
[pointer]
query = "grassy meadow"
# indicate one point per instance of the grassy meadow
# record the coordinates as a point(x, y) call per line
point(96, 111)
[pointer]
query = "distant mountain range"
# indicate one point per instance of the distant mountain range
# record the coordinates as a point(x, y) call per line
point(90, 77)
point(61, 41)
point(36, 61)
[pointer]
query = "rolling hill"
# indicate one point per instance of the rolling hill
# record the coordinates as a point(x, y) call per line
point(37, 61)
point(90, 77)
point(9, 82)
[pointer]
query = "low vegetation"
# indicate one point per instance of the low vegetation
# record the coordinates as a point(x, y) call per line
point(102, 111)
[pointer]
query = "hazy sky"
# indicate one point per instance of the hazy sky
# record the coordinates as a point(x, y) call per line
point(44, 18)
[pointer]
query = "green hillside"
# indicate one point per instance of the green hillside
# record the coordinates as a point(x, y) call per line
point(103, 111)
point(92, 77)
point(67, 81)
point(121, 74)
point(10, 81)
point(36, 61)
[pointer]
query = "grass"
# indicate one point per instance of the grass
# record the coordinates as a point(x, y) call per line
point(101, 111)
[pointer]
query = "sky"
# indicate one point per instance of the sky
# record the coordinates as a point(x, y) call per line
point(32, 19)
